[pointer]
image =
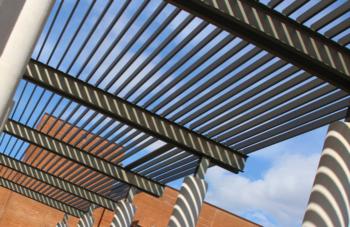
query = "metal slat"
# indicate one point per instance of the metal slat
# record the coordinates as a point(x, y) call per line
point(334, 107)
point(298, 131)
point(56, 182)
point(278, 107)
point(53, 192)
point(331, 16)
point(40, 198)
point(279, 35)
point(249, 105)
point(335, 30)
point(209, 106)
point(318, 7)
point(83, 158)
point(294, 6)
point(134, 116)
point(214, 65)
point(264, 123)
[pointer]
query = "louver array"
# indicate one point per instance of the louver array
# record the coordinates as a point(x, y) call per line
point(131, 95)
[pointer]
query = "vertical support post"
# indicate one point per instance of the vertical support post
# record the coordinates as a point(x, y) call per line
point(87, 220)
point(21, 23)
point(125, 211)
point(189, 202)
point(64, 222)
point(202, 168)
point(329, 202)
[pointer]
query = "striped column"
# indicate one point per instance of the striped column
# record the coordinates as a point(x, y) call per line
point(125, 211)
point(87, 219)
point(189, 202)
point(329, 203)
point(64, 221)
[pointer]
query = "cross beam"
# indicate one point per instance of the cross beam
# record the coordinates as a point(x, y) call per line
point(83, 158)
point(278, 34)
point(40, 197)
point(56, 182)
point(134, 116)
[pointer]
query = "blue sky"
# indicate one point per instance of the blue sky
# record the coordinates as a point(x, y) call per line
point(274, 188)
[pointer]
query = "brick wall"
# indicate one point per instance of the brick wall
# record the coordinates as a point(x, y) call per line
point(17, 210)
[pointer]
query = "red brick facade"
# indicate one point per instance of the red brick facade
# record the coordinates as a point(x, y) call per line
point(17, 210)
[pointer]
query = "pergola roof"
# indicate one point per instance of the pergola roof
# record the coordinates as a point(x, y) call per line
point(183, 71)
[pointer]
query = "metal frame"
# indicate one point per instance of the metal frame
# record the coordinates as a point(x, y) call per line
point(83, 158)
point(56, 182)
point(40, 197)
point(277, 34)
point(298, 110)
point(134, 116)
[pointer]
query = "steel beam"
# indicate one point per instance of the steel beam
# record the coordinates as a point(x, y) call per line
point(134, 116)
point(278, 34)
point(56, 182)
point(40, 197)
point(83, 158)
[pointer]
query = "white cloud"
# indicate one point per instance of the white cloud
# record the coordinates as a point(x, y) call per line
point(281, 193)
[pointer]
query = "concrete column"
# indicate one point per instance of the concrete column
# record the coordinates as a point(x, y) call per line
point(329, 203)
point(87, 220)
point(64, 221)
point(125, 211)
point(21, 23)
point(190, 200)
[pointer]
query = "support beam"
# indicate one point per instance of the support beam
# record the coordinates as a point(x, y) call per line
point(40, 197)
point(134, 116)
point(202, 168)
point(277, 34)
point(329, 203)
point(56, 182)
point(83, 158)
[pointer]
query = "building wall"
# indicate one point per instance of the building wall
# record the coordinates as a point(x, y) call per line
point(17, 211)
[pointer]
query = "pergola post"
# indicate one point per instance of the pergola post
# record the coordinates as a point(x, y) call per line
point(125, 211)
point(87, 220)
point(329, 203)
point(189, 202)
point(18, 34)
point(64, 221)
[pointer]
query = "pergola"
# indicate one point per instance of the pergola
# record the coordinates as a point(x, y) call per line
point(178, 86)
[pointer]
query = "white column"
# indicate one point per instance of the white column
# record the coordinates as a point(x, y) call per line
point(20, 25)
point(329, 203)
